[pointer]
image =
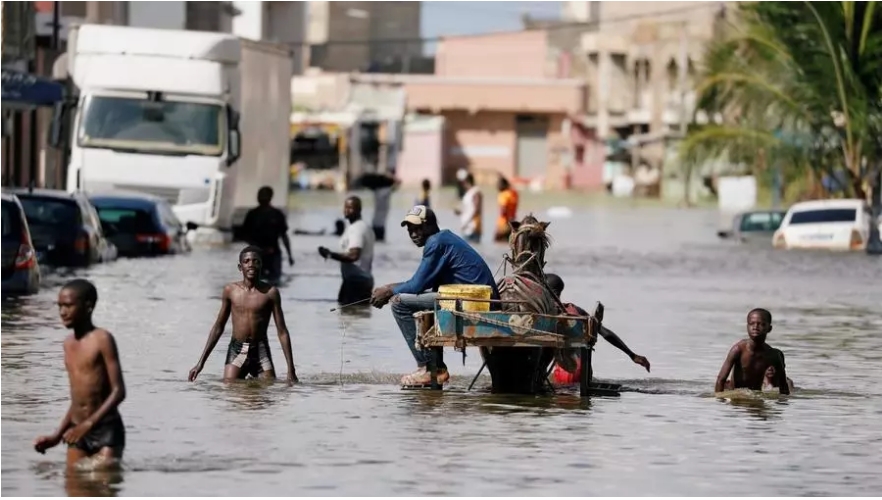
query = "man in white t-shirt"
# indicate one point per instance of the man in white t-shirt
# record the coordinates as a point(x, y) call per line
point(357, 256)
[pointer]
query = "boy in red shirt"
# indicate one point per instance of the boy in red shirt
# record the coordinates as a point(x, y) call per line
point(563, 377)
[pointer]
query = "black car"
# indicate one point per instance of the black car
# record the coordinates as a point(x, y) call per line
point(65, 228)
point(140, 224)
point(21, 271)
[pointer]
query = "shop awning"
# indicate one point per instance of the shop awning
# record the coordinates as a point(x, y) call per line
point(25, 89)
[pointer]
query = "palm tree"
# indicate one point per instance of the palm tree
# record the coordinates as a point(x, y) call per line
point(799, 83)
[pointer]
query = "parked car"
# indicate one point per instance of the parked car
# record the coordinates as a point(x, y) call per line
point(825, 224)
point(65, 228)
point(754, 226)
point(141, 224)
point(21, 271)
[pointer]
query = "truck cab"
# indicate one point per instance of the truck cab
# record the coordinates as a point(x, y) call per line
point(157, 111)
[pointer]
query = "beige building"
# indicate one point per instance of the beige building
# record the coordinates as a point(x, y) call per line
point(351, 36)
point(280, 22)
point(641, 67)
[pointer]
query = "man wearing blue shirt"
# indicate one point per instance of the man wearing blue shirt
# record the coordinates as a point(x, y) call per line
point(447, 260)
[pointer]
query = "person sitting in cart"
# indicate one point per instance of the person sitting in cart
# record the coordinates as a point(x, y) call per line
point(563, 377)
point(447, 260)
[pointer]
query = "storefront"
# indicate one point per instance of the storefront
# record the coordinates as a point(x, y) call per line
point(24, 97)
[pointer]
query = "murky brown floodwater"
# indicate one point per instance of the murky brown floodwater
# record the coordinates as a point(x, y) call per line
point(673, 292)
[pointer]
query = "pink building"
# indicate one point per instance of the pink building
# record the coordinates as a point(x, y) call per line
point(506, 110)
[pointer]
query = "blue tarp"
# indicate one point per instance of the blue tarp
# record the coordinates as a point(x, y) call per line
point(25, 88)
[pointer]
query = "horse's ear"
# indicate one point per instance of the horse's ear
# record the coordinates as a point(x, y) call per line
point(544, 225)
point(514, 225)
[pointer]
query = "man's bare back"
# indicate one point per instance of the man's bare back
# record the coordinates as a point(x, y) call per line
point(251, 304)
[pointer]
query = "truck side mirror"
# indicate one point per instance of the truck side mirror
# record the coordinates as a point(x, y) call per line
point(235, 137)
point(59, 110)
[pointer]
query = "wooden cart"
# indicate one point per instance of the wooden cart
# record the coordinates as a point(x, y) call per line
point(460, 329)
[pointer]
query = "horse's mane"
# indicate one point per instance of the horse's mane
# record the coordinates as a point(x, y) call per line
point(532, 228)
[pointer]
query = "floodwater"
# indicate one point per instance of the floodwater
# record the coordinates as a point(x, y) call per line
point(672, 291)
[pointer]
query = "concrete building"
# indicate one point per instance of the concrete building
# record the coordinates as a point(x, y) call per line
point(356, 36)
point(507, 103)
point(641, 68)
point(505, 110)
point(280, 22)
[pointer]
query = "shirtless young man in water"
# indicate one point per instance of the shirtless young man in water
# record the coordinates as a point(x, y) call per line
point(92, 426)
point(251, 303)
point(752, 357)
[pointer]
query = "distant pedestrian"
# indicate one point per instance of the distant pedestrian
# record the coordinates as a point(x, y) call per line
point(471, 210)
point(357, 256)
point(382, 202)
point(508, 209)
point(264, 226)
point(424, 197)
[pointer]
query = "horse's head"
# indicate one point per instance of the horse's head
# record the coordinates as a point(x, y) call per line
point(528, 242)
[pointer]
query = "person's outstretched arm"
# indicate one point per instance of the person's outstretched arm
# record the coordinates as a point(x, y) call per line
point(284, 337)
point(615, 340)
point(728, 364)
point(214, 335)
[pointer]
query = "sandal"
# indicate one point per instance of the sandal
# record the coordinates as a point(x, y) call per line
point(421, 379)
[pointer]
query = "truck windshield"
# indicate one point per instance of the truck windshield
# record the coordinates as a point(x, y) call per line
point(151, 126)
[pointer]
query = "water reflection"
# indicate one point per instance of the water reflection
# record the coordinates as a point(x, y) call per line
point(93, 483)
point(757, 407)
point(673, 292)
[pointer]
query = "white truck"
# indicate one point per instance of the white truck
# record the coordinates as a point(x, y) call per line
point(198, 118)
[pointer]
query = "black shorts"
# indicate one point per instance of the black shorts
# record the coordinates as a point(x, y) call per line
point(355, 290)
point(107, 433)
point(252, 358)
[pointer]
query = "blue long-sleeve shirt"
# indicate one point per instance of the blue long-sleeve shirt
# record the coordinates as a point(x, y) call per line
point(448, 260)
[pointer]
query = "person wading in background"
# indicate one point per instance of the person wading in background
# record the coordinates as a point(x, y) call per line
point(470, 213)
point(508, 209)
point(263, 227)
point(357, 256)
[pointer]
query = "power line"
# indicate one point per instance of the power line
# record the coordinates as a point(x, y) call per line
point(581, 24)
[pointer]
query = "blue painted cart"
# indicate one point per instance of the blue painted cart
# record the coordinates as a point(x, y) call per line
point(460, 329)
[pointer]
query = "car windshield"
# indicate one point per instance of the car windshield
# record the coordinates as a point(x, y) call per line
point(10, 214)
point(126, 220)
point(153, 126)
point(50, 211)
point(761, 221)
point(824, 215)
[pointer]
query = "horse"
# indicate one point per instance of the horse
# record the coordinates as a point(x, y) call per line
point(522, 370)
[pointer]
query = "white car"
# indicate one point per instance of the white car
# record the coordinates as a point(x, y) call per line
point(825, 224)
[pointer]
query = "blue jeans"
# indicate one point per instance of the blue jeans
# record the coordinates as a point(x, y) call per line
point(403, 311)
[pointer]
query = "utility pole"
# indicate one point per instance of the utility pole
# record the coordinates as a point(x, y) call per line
point(682, 83)
point(874, 246)
point(56, 7)
point(683, 73)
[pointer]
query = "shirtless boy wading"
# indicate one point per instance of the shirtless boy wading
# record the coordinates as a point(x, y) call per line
point(92, 426)
point(752, 357)
point(251, 304)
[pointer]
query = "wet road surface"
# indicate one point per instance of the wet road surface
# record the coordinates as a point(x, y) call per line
point(671, 290)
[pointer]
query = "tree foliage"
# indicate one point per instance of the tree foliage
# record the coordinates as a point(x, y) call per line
point(798, 83)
